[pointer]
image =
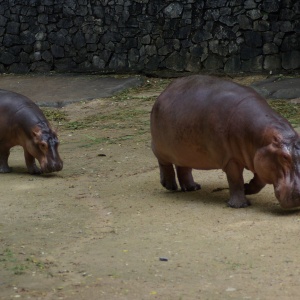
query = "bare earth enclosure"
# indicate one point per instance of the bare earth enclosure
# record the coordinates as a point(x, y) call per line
point(104, 228)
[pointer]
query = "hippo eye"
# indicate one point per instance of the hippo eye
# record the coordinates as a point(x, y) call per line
point(43, 146)
point(286, 157)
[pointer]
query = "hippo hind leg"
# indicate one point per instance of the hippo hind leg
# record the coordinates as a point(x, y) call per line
point(167, 176)
point(186, 179)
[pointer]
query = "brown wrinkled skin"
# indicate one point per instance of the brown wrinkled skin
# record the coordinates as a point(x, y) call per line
point(23, 123)
point(203, 122)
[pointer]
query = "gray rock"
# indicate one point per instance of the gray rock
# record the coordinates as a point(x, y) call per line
point(254, 14)
point(47, 56)
point(79, 40)
point(270, 6)
point(10, 40)
point(98, 62)
point(270, 48)
point(249, 4)
point(228, 20)
point(27, 37)
point(13, 28)
point(201, 36)
point(215, 3)
point(291, 60)
point(244, 22)
point(173, 10)
point(278, 88)
point(233, 64)
point(261, 25)
point(57, 51)
point(194, 64)
point(253, 39)
point(7, 58)
point(286, 26)
point(43, 18)
point(254, 64)
point(272, 63)
point(175, 62)
point(118, 62)
point(213, 62)
point(3, 21)
point(20, 68)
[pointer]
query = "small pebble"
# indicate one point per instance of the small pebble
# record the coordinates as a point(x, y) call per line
point(230, 289)
point(163, 259)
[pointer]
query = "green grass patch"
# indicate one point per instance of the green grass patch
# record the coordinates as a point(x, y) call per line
point(288, 110)
point(54, 114)
point(76, 125)
point(18, 265)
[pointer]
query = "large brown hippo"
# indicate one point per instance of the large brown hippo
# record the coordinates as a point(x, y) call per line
point(203, 122)
point(23, 123)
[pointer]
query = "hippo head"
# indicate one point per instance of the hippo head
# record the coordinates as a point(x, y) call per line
point(279, 164)
point(43, 146)
point(287, 189)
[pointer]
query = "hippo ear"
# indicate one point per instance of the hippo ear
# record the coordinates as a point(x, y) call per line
point(36, 134)
point(276, 142)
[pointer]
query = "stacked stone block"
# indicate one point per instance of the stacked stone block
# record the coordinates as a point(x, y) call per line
point(149, 35)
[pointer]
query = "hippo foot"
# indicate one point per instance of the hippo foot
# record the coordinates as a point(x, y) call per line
point(5, 169)
point(237, 203)
point(190, 187)
point(169, 185)
point(34, 170)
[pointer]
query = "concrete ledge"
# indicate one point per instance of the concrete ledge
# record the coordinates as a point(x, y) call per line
point(58, 90)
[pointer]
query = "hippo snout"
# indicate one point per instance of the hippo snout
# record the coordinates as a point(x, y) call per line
point(288, 196)
point(53, 167)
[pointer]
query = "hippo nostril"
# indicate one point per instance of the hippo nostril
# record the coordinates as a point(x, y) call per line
point(53, 167)
point(59, 166)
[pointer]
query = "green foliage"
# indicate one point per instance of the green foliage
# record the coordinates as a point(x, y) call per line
point(19, 265)
point(54, 114)
point(76, 125)
point(288, 110)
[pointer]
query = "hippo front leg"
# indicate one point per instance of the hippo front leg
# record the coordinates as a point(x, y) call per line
point(234, 173)
point(30, 163)
point(254, 185)
point(4, 168)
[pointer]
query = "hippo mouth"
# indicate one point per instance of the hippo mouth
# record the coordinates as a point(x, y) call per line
point(287, 196)
point(51, 167)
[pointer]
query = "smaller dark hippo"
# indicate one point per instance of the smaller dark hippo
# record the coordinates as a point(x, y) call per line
point(203, 122)
point(23, 123)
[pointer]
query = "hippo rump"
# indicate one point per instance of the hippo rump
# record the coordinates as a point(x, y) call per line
point(23, 123)
point(203, 122)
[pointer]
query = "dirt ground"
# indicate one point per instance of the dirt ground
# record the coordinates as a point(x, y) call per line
point(104, 228)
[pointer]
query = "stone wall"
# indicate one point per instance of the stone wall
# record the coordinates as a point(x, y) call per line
point(149, 35)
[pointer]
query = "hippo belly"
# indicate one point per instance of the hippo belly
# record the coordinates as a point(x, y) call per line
point(202, 122)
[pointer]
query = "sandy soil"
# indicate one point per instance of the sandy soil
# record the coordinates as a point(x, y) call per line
point(104, 228)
